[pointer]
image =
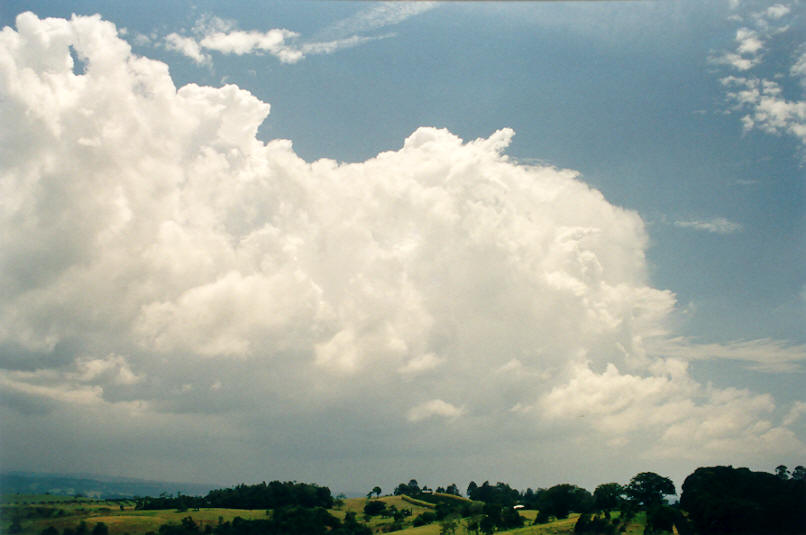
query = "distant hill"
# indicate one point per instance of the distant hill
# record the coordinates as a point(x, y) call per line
point(94, 486)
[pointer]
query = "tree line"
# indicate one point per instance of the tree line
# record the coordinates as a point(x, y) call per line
point(717, 500)
point(273, 495)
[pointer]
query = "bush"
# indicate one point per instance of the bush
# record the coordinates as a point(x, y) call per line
point(375, 507)
point(542, 517)
point(425, 518)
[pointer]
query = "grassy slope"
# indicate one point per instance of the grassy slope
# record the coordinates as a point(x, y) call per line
point(129, 521)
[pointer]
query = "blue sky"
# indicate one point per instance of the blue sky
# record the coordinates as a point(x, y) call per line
point(633, 255)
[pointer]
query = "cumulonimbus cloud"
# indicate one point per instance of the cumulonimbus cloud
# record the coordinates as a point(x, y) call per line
point(149, 223)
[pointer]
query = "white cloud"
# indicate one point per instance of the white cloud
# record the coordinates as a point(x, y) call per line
point(722, 423)
point(186, 46)
point(146, 221)
point(762, 354)
point(749, 42)
point(214, 33)
point(329, 47)
point(240, 42)
point(86, 382)
point(795, 413)
point(113, 369)
point(761, 100)
point(420, 364)
point(777, 11)
point(716, 225)
point(378, 16)
point(436, 408)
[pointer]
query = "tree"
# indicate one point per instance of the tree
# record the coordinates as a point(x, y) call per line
point(425, 518)
point(560, 500)
point(101, 529)
point(608, 496)
point(782, 472)
point(471, 489)
point(412, 489)
point(487, 525)
point(448, 525)
point(648, 489)
point(472, 524)
point(799, 473)
point(727, 500)
point(374, 508)
point(376, 490)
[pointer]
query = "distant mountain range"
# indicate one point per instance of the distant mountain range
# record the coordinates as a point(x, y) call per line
point(95, 486)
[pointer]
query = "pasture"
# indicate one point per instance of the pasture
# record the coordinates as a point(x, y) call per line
point(36, 512)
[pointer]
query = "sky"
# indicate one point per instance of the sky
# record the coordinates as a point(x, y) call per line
point(355, 243)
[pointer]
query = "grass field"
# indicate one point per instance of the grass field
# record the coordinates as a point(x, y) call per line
point(36, 512)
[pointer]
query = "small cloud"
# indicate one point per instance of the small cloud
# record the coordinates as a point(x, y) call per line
point(513, 366)
point(186, 46)
point(763, 354)
point(798, 409)
point(223, 36)
point(420, 364)
point(112, 369)
point(141, 39)
point(734, 60)
point(432, 409)
point(717, 225)
point(239, 42)
point(749, 42)
point(777, 11)
point(329, 47)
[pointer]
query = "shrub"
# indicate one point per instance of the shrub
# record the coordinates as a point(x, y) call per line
point(425, 518)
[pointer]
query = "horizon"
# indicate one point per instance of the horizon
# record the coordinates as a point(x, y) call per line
point(354, 242)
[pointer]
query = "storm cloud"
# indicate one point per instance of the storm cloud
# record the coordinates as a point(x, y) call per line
point(165, 271)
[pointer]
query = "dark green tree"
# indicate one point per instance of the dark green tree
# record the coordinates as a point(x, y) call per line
point(799, 473)
point(782, 471)
point(727, 500)
point(376, 490)
point(374, 508)
point(487, 525)
point(448, 525)
point(608, 496)
point(424, 518)
point(648, 489)
point(559, 500)
point(100, 529)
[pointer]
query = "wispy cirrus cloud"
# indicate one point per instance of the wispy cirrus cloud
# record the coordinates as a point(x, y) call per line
point(716, 225)
point(762, 354)
point(222, 36)
point(376, 17)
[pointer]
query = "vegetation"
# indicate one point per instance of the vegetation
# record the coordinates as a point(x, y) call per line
point(262, 496)
point(723, 500)
point(714, 500)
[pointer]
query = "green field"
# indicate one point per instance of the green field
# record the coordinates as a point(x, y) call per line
point(36, 512)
